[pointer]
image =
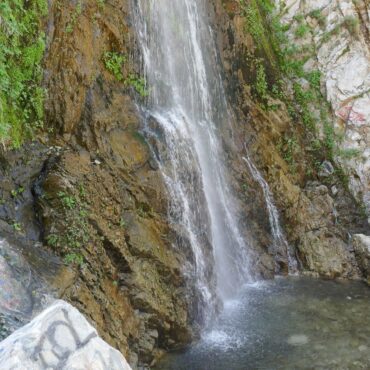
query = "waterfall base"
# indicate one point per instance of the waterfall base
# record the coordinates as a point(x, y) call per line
point(293, 323)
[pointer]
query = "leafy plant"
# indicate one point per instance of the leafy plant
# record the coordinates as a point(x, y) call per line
point(52, 240)
point(113, 62)
point(138, 83)
point(352, 24)
point(261, 83)
point(69, 201)
point(75, 232)
point(17, 226)
point(74, 17)
point(15, 192)
point(74, 258)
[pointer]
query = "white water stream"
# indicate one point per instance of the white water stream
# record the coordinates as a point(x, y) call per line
point(279, 239)
point(186, 108)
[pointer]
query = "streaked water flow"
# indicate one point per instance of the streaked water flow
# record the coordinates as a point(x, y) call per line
point(279, 239)
point(185, 110)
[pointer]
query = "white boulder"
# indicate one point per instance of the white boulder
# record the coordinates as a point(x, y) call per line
point(60, 338)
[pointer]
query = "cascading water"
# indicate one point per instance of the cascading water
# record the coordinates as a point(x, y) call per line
point(185, 110)
point(279, 239)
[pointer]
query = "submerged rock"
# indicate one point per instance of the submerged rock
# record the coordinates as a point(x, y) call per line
point(59, 338)
point(297, 340)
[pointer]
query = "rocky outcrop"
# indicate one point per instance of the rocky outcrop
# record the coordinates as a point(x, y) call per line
point(60, 338)
point(361, 245)
point(339, 33)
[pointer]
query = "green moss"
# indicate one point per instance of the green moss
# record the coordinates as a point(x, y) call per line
point(22, 48)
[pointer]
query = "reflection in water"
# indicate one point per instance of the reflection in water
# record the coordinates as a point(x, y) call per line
point(289, 323)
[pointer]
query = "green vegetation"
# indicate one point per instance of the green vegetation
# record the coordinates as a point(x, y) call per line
point(100, 3)
point(113, 62)
point(253, 11)
point(74, 17)
point(317, 14)
point(22, 48)
point(352, 24)
point(283, 70)
point(261, 82)
point(15, 192)
point(76, 234)
point(301, 30)
point(68, 200)
point(348, 153)
point(17, 226)
point(288, 148)
point(138, 83)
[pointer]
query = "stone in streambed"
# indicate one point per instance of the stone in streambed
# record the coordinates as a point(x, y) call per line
point(298, 340)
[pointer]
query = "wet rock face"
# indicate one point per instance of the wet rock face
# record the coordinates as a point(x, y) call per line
point(318, 212)
point(60, 338)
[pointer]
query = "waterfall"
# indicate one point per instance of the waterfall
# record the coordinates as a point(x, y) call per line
point(279, 239)
point(184, 113)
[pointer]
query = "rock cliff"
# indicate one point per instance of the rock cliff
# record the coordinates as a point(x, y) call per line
point(287, 116)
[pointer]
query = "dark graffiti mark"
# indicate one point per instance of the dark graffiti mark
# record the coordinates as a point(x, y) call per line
point(114, 360)
point(60, 352)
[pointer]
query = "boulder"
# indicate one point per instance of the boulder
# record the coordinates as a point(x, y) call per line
point(59, 338)
point(361, 246)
